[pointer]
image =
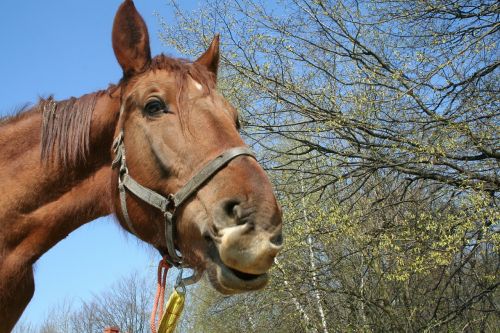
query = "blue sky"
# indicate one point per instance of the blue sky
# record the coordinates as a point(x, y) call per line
point(64, 48)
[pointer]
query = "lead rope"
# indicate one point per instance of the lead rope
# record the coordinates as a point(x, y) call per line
point(160, 293)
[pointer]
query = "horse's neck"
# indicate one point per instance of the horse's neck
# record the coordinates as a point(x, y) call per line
point(40, 204)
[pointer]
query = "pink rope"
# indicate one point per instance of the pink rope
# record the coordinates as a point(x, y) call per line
point(160, 293)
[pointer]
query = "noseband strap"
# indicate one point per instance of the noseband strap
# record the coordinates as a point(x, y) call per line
point(169, 204)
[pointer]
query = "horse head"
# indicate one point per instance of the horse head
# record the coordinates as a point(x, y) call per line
point(186, 183)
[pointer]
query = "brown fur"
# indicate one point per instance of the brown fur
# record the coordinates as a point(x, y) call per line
point(55, 171)
point(44, 203)
point(182, 70)
point(66, 124)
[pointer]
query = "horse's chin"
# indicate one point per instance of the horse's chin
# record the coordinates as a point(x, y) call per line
point(230, 281)
point(226, 280)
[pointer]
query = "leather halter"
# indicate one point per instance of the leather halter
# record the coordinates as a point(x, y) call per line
point(166, 204)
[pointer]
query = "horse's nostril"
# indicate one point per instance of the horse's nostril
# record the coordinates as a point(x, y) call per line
point(278, 239)
point(233, 210)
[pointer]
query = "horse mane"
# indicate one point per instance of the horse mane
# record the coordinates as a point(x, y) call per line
point(66, 128)
point(66, 124)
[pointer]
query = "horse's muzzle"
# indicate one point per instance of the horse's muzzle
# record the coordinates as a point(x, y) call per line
point(244, 246)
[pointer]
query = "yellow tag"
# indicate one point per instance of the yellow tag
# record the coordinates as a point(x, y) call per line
point(172, 313)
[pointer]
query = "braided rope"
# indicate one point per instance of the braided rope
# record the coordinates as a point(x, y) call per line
point(160, 293)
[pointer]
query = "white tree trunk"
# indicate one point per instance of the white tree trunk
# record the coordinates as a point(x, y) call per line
point(313, 266)
point(296, 303)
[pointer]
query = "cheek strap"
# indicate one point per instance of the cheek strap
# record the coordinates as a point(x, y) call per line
point(166, 204)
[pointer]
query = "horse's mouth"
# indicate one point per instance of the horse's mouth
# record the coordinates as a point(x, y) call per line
point(230, 281)
point(227, 280)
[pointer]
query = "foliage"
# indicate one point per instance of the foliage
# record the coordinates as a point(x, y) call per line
point(127, 305)
point(378, 122)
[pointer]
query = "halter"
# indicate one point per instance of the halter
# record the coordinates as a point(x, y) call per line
point(169, 204)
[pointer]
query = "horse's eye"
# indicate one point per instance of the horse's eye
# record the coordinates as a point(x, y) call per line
point(155, 107)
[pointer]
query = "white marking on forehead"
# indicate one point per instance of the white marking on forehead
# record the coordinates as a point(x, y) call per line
point(198, 85)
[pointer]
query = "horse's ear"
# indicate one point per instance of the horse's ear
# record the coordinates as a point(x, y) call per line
point(131, 39)
point(210, 59)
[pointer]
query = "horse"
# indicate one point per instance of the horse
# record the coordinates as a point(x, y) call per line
point(160, 149)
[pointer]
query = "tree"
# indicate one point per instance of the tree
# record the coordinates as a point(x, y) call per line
point(127, 305)
point(378, 122)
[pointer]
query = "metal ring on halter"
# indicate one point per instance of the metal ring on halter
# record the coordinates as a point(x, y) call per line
point(195, 277)
point(179, 283)
point(182, 283)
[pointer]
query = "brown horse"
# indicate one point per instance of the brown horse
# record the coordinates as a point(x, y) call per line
point(182, 179)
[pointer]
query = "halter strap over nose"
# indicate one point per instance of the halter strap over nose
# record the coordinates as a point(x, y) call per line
point(167, 205)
